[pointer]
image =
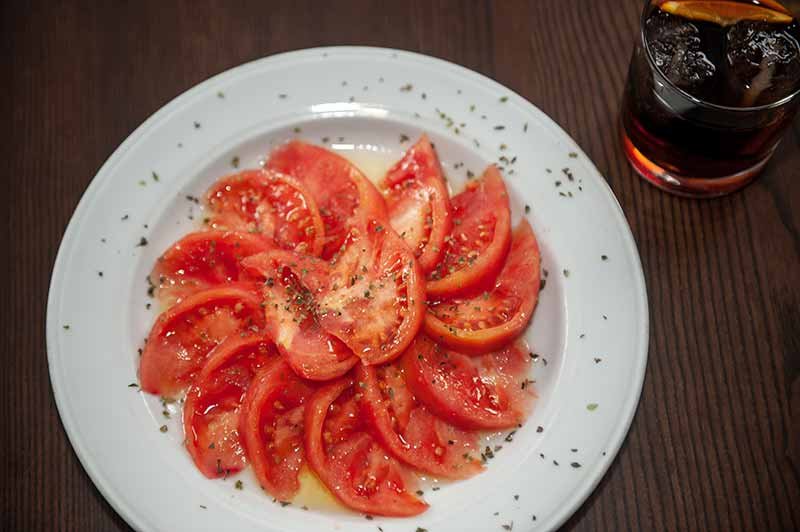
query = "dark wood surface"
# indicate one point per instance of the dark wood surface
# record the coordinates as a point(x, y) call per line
point(715, 444)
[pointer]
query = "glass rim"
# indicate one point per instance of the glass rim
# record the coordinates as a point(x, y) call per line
point(695, 100)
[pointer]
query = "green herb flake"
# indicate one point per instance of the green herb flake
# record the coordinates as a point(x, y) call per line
point(297, 130)
point(509, 526)
point(591, 407)
point(235, 161)
point(239, 485)
point(133, 385)
point(163, 428)
point(142, 183)
point(220, 95)
point(282, 96)
point(196, 125)
point(576, 465)
point(503, 99)
point(408, 87)
point(597, 360)
point(573, 155)
point(420, 529)
point(142, 242)
point(525, 128)
point(203, 507)
point(566, 273)
point(604, 257)
point(403, 138)
point(527, 209)
point(499, 128)
point(155, 177)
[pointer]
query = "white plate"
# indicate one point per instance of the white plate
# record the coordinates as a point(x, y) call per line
point(591, 324)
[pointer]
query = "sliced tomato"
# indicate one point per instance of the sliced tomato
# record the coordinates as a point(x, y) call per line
point(182, 336)
point(349, 461)
point(475, 248)
point(291, 322)
point(274, 205)
point(375, 297)
point(203, 260)
point(212, 407)
point(489, 321)
point(341, 191)
point(418, 203)
point(410, 432)
point(492, 391)
point(272, 427)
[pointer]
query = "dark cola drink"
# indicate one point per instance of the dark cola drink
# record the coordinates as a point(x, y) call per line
point(711, 88)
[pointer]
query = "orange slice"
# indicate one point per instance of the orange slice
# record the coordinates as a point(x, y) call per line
point(725, 12)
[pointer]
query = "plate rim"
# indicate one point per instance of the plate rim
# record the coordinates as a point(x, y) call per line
point(629, 407)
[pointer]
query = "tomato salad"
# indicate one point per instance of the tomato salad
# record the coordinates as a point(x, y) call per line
point(367, 333)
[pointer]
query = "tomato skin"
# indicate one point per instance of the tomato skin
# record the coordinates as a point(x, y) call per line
point(212, 406)
point(410, 432)
point(375, 298)
point(489, 392)
point(350, 462)
point(457, 322)
point(271, 423)
point(474, 251)
point(418, 203)
point(311, 352)
point(183, 335)
point(273, 205)
point(202, 260)
point(344, 195)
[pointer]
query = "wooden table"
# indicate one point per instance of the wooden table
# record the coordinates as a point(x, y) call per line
point(716, 441)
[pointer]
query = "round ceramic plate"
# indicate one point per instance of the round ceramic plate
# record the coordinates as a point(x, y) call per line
point(590, 329)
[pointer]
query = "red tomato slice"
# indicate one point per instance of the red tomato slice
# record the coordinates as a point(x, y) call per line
point(211, 410)
point(291, 322)
point(341, 191)
point(272, 427)
point(375, 297)
point(182, 337)
point(349, 461)
point(203, 260)
point(271, 204)
point(475, 248)
point(489, 321)
point(410, 432)
point(418, 203)
point(492, 391)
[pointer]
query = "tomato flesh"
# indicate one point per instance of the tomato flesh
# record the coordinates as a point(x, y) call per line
point(375, 296)
point(202, 260)
point(492, 391)
point(349, 461)
point(271, 204)
point(474, 250)
point(213, 403)
point(418, 203)
point(182, 336)
point(272, 425)
point(489, 321)
point(311, 351)
point(341, 191)
point(410, 432)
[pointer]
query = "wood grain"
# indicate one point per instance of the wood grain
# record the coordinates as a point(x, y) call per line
point(715, 444)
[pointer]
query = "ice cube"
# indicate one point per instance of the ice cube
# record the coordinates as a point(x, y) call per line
point(763, 61)
point(675, 46)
